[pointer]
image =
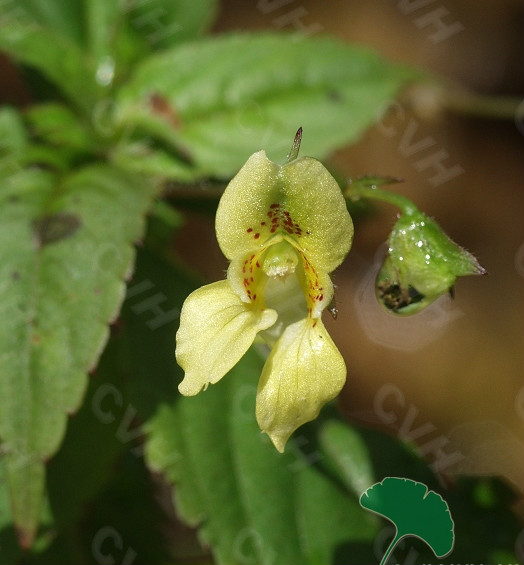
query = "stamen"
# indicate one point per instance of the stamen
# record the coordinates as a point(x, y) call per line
point(280, 260)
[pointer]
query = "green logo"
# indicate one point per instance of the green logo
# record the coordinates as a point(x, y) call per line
point(414, 510)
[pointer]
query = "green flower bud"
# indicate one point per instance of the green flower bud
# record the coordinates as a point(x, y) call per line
point(422, 264)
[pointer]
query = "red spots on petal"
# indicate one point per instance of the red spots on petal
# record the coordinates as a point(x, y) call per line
point(282, 219)
point(254, 296)
point(258, 266)
point(320, 297)
point(257, 235)
point(262, 223)
point(252, 279)
point(249, 230)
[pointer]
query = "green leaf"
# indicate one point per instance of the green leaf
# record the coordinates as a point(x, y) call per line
point(333, 528)
point(349, 453)
point(92, 435)
point(57, 125)
point(484, 530)
point(14, 140)
point(57, 57)
point(97, 23)
point(252, 505)
point(10, 551)
point(13, 136)
point(60, 16)
point(17, 150)
point(95, 30)
point(415, 510)
point(66, 246)
point(164, 24)
point(128, 516)
point(102, 21)
point(226, 97)
point(115, 496)
point(110, 40)
point(140, 157)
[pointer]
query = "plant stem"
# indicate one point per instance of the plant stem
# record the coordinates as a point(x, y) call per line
point(393, 543)
point(456, 98)
point(464, 102)
point(374, 193)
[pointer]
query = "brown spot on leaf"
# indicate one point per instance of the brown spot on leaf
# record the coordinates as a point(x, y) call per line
point(55, 227)
point(161, 107)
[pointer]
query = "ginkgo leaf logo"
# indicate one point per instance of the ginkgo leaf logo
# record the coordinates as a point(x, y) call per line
point(414, 510)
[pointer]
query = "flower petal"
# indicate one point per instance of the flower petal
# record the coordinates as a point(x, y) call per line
point(242, 221)
point(247, 279)
point(216, 329)
point(317, 287)
point(316, 204)
point(299, 200)
point(304, 371)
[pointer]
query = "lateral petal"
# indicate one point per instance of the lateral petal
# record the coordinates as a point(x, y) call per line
point(303, 372)
point(216, 329)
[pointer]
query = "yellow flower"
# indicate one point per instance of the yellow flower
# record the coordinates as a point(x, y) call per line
point(284, 228)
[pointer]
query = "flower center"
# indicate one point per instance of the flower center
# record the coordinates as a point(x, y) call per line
point(283, 291)
point(280, 260)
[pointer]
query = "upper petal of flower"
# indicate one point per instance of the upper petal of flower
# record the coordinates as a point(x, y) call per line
point(299, 200)
point(216, 329)
point(303, 372)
